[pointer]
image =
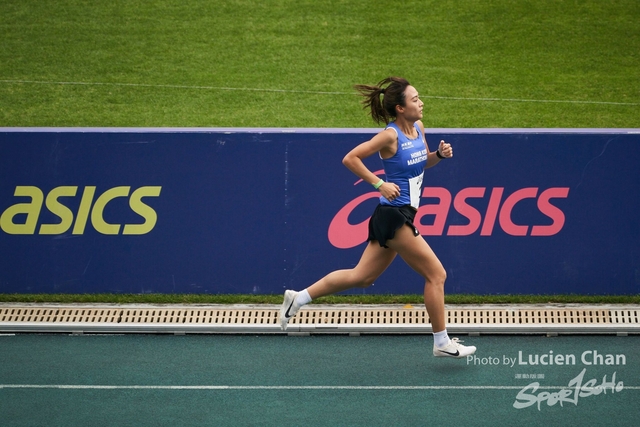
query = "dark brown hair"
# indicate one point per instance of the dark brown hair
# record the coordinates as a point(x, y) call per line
point(383, 98)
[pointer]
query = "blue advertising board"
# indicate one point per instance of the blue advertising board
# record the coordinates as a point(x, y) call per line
point(261, 210)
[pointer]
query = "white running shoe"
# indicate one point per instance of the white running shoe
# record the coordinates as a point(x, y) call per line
point(454, 349)
point(289, 308)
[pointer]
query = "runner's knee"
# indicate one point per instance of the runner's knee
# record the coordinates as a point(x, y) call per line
point(365, 282)
point(437, 278)
point(362, 280)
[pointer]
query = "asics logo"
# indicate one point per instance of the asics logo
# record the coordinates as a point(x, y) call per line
point(485, 210)
point(74, 209)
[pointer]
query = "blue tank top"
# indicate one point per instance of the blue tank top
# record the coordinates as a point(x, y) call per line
point(406, 168)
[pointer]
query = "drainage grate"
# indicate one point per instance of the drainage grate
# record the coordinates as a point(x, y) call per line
point(348, 319)
point(352, 316)
point(53, 315)
point(549, 316)
point(468, 316)
point(226, 316)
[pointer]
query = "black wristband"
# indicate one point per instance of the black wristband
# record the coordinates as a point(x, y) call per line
point(440, 156)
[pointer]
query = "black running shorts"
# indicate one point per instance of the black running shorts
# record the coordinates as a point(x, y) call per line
point(387, 219)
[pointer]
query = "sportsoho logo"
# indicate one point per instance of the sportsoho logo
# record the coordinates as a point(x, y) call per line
point(23, 218)
point(344, 235)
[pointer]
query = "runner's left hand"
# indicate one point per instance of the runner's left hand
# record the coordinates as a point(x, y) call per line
point(445, 149)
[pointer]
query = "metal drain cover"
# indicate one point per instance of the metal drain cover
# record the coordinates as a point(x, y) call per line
point(392, 319)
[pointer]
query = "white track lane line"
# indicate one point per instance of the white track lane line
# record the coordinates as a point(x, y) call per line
point(266, 387)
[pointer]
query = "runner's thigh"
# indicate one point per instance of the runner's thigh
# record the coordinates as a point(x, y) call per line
point(417, 253)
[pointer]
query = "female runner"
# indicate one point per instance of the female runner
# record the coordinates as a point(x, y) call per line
point(404, 153)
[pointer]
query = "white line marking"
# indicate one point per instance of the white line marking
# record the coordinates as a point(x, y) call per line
point(267, 387)
point(453, 98)
point(178, 87)
point(532, 100)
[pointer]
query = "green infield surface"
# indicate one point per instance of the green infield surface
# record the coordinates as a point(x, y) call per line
point(377, 380)
point(293, 63)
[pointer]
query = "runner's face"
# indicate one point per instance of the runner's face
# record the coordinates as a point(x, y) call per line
point(413, 104)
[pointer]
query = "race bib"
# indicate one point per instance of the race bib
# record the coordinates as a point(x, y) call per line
point(415, 186)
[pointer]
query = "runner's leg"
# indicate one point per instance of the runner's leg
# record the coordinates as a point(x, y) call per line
point(417, 253)
point(374, 261)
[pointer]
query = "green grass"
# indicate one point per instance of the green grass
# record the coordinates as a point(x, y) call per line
point(335, 299)
point(293, 63)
